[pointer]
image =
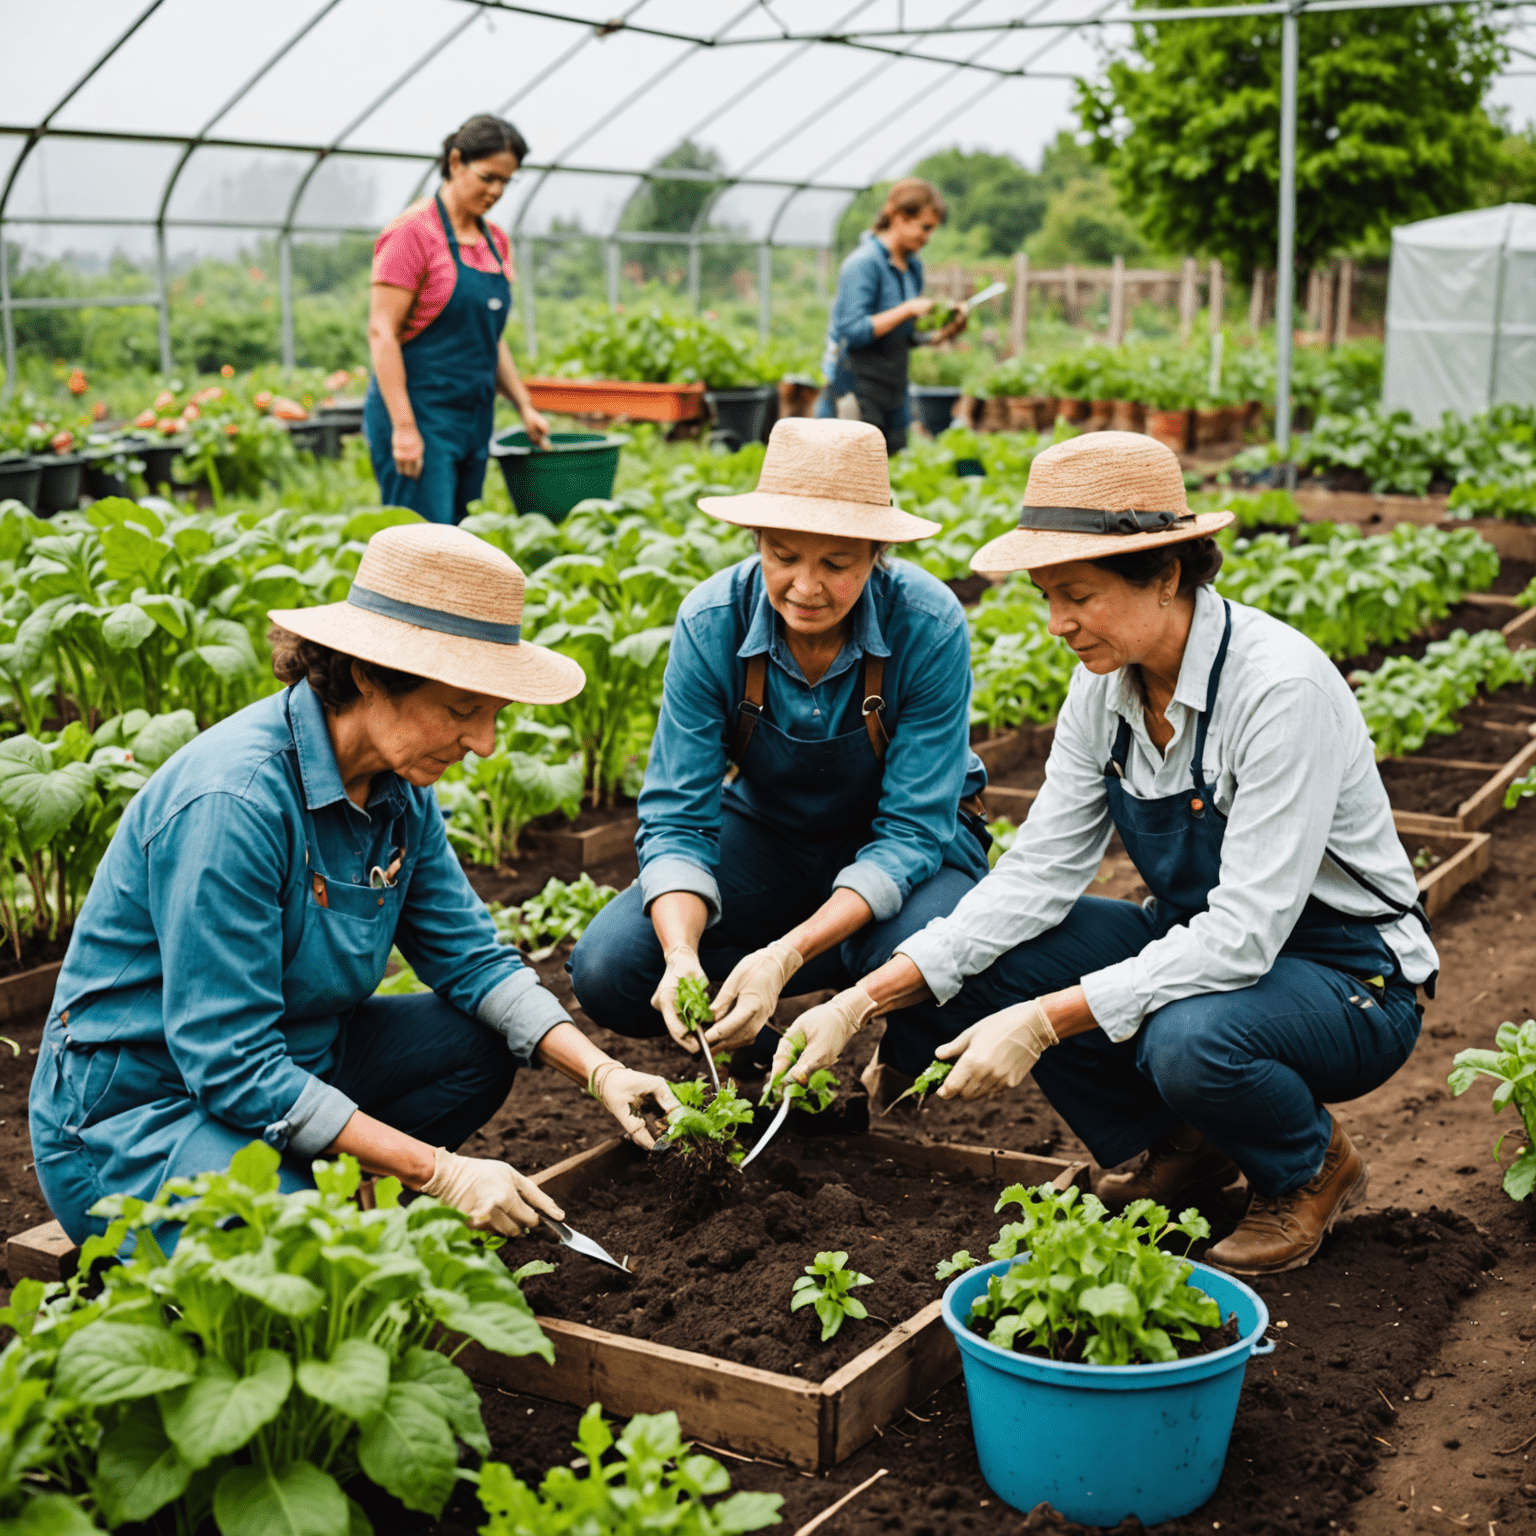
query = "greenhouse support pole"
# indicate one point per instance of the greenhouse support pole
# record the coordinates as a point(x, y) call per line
point(693, 274)
point(7, 318)
point(525, 260)
point(1498, 315)
point(613, 274)
point(1285, 254)
point(764, 295)
point(285, 292)
point(162, 271)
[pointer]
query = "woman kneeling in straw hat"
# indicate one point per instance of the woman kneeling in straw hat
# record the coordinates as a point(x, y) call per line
point(219, 982)
point(1275, 967)
point(839, 687)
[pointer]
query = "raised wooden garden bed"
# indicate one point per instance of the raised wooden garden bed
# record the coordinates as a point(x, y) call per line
point(1486, 782)
point(26, 997)
point(589, 847)
point(1514, 541)
point(1461, 858)
point(758, 1412)
point(1008, 750)
point(614, 397)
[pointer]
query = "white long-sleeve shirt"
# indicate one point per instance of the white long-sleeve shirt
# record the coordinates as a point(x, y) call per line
point(1290, 763)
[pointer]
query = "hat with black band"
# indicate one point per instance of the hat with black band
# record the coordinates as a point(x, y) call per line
point(1105, 493)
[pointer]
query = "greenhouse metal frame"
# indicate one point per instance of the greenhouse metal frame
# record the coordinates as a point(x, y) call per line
point(956, 51)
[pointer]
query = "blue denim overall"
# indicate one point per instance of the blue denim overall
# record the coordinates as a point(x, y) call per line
point(450, 376)
point(1252, 1069)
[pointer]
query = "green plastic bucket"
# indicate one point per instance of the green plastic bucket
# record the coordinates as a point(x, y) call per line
point(575, 466)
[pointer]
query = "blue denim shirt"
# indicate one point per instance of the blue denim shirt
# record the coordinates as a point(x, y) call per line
point(869, 283)
point(903, 614)
point(202, 942)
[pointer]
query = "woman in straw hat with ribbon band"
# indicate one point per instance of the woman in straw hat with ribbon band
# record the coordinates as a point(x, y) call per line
point(839, 688)
point(1274, 968)
point(219, 982)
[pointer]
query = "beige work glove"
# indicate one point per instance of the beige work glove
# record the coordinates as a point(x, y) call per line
point(996, 1053)
point(681, 961)
point(621, 1091)
point(823, 1032)
point(491, 1193)
point(750, 994)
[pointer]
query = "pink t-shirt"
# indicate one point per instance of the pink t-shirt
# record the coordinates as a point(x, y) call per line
point(413, 253)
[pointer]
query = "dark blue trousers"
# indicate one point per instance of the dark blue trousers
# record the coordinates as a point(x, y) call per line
point(1251, 1069)
point(768, 884)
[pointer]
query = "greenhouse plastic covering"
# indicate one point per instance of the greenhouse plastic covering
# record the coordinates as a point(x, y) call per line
point(1461, 314)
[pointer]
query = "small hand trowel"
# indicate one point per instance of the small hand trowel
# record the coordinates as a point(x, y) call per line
point(580, 1244)
point(774, 1126)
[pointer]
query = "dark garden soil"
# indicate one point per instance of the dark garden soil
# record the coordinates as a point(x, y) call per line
point(721, 1286)
point(1473, 617)
point(1429, 789)
point(34, 952)
point(1494, 727)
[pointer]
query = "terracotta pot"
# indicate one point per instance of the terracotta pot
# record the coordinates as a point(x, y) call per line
point(1099, 414)
point(1127, 416)
point(1073, 410)
point(1045, 413)
point(1210, 427)
point(797, 399)
point(1022, 415)
point(1170, 428)
point(994, 414)
point(613, 397)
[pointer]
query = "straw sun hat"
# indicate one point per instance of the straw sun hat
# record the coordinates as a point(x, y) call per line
point(437, 602)
point(1105, 493)
point(823, 476)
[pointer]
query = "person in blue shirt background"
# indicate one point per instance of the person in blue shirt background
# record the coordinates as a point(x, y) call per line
point(838, 684)
point(219, 982)
point(874, 316)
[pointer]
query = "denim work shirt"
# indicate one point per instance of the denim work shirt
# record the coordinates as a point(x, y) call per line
point(232, 926)
point(903, 615)
point(1291, 768)
point(868, 284)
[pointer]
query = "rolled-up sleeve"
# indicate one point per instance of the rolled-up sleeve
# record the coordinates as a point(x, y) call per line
point(857, 301)
point(1271, 852)
point(680, 810)
point(925, 771)
point(214, 890)
point(447, 935)
point(1049, 866)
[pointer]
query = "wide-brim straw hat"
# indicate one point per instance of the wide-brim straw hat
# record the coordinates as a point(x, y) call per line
point(823, 476)
point(1105, 493)
point(438, 602)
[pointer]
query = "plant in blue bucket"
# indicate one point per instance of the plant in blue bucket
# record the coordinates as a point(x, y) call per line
point(1100, 1376)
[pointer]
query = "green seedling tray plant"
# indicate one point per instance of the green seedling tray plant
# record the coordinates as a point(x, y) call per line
point(1513, 1066)
point(819, 1090)
point(1089, 1285)
point(825, 1285)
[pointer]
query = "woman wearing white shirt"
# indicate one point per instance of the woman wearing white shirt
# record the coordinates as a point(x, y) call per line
point(1276, 967)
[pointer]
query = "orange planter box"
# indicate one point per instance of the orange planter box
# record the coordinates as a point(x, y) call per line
point(613, 397)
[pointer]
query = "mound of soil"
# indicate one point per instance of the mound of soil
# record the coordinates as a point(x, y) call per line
point(723, 1286)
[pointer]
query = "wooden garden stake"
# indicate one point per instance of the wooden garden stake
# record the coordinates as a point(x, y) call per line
point(1256, 302)
point(1217, 299)
point(1018, 320)
point(832, 1509)
point(1117, 302)
point(1346, 302)
point(1188, 300)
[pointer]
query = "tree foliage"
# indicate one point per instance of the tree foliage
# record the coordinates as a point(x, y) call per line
point(1390, 127)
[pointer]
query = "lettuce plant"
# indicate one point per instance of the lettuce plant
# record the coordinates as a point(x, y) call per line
point(825, 1285)
point(1513, 1066)
point(288, 1346)
point(643, 1482)
point(925, 1082)
point(698, 1125)
point(813, 1096)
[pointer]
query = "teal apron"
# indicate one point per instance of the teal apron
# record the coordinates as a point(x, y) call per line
point(450, 376)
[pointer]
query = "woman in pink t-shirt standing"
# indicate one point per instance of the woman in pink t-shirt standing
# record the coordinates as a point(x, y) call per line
point(442, 292)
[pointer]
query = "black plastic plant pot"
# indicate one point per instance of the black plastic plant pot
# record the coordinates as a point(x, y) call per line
point(935, 405)
point(20, 480)
point(59, 483)
point(158, 458)
point(347, 419)
point(107, 466)
point(319, 436)
point(742, 412)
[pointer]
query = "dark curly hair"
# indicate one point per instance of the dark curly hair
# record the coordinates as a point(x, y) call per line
point(1198, 560)
point(480, 138)
point(330, 672)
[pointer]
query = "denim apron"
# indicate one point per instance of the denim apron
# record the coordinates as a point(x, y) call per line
point(1175, 843)
point(450, 376)
point(119, 1111)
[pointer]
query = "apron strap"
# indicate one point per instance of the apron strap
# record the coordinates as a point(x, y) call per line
point(749, 711)
point(453, 239)
point(874, 705)
point(1396, 909)
point(1212, 683)
point(1119, 750)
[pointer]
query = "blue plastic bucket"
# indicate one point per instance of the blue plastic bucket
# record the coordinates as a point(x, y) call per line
point(1100, 1442)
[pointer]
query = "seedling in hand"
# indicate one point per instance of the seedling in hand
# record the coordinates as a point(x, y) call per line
point(694, 1010)
point(697, 1125)
point(927, 1080)
point(825, 1285)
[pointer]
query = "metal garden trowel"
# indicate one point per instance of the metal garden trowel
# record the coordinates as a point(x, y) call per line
point(578, 1243)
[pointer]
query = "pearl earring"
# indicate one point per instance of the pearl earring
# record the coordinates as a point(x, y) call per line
point(1165, 601)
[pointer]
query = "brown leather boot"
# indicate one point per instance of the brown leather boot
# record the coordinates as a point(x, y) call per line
point(1283, 1232)
point(1181, 1161)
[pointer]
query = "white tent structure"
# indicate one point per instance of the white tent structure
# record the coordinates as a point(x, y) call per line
point(1461, 313)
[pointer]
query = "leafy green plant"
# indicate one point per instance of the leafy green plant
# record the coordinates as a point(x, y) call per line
point(1019, 670)
point(650, 1485)
point(289, 1345)
point(956, 1264)
point(1513, 1066)
point(813, 1096)
point(698, 1125)
point(653, 345)
point(1522, 787)
point(559, 912)
point(1004, 832)
point(1090, 1285)
point(693, 1006)
point(925, 1082)
point(825, 1285)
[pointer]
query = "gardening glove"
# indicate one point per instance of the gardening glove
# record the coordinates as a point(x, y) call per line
point(997, 1052)
point(750, 994)
point(491, 1193)
point(823, 1032)
point(681, 961)
point(620, 1091)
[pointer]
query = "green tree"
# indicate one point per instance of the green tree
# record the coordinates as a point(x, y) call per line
point(665, 205)
point(1085, 224)
point(1390, 127)
point(1514, 169)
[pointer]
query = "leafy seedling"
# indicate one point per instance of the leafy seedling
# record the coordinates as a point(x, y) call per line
point(825, 1285)
point(697, 1016)
point(1513, 1065)
point(957, 1264)
point(927, 1080)
point(699, 1171)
